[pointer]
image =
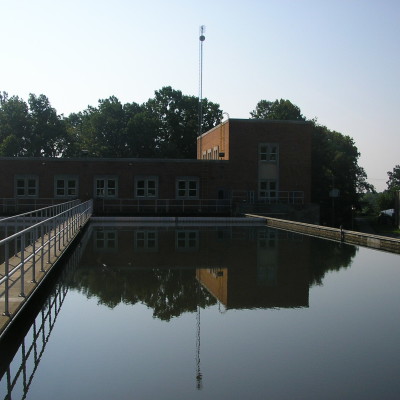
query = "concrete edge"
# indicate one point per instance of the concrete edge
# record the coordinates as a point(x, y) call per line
point(341, 235)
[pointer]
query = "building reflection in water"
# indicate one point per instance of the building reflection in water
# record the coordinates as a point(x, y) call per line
point(241, 268)
point(177, 269)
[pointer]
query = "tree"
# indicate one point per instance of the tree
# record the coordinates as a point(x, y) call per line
point(102, 130)
point(142, 136)
point(177, 121)
point(335, 165)
point(48, 134)
point(394, 179)
point(386, 199)
point(277, 110)
point(32, 129)
point(15, 126)
point(334, 162)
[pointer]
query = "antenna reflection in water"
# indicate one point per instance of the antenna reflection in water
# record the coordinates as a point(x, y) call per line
point(17, 374)
point(163, 282)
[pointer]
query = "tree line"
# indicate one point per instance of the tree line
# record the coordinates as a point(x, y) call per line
point(166, 126)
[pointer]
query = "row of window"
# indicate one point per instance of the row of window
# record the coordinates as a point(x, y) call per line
point(184, 239)
point(67, 186)
point(144, 187)
point(211, 154)
point(267, 152)
point(146, 240)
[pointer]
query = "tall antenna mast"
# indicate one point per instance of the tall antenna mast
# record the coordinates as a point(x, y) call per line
point(202, 38)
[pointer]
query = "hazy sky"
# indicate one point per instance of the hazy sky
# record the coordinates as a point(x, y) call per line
point(338, 60)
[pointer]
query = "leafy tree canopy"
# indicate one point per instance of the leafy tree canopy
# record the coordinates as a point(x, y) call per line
point(334, 160)
point(277, 110)
point(32, 129)
point(394, 179)
point(165, 126)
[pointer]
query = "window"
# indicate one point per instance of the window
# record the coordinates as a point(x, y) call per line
point(146, 240)
point(146, 186)
point(215, 153)
point(26, 186)
point(268, 152)
point(187, 188)
point(267, 189)
point(106, 186)
point(105, 240)
point(266, 238)
point(66, 186)
point(187, 240)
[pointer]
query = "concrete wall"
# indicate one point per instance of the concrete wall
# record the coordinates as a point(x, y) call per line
point(342, 235)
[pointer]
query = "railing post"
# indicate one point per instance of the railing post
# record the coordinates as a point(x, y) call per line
point(63, 228)
point(55, 235)
point(48, 228)
point(34, 256)
point(42, 247)
point(6, 283)
point(22, 273)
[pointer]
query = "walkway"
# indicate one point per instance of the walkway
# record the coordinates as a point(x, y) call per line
point(28, 256)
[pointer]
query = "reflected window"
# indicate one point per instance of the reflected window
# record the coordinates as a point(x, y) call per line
point(146, 240)
point(187, 240)
point(267, 238)
point(105, 240)
point(267, 275)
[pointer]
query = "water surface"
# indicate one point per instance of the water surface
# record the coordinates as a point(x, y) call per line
point(224, 312)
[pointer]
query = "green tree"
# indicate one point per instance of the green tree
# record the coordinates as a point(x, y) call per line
point(48, 134)
point(15, 126)
point(142, 136)
point(32, 129)
point(177, 121)
point(277, 110)
point(102, 131)
point(394, 179)
point(386, 199)
point(334, 163)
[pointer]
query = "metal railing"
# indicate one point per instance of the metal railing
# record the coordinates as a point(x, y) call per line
point(13, 205)
point(16, 223)
point(162, 206)
point(283, 197)
point(25, 251)
point(16, 375)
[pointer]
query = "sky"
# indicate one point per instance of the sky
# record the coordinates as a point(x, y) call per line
point(337, 60)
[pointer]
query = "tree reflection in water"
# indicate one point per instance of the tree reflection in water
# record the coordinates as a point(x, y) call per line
point(168, 292)
point(299, 262)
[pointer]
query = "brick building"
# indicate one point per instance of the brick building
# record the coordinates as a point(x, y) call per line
point(241, 165)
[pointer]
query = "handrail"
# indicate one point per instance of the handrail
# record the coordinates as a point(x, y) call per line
point(66, 204)
point(43, 239)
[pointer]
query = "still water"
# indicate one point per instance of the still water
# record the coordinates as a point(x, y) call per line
point(221, 312)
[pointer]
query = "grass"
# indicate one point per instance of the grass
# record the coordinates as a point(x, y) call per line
point(383, 229)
